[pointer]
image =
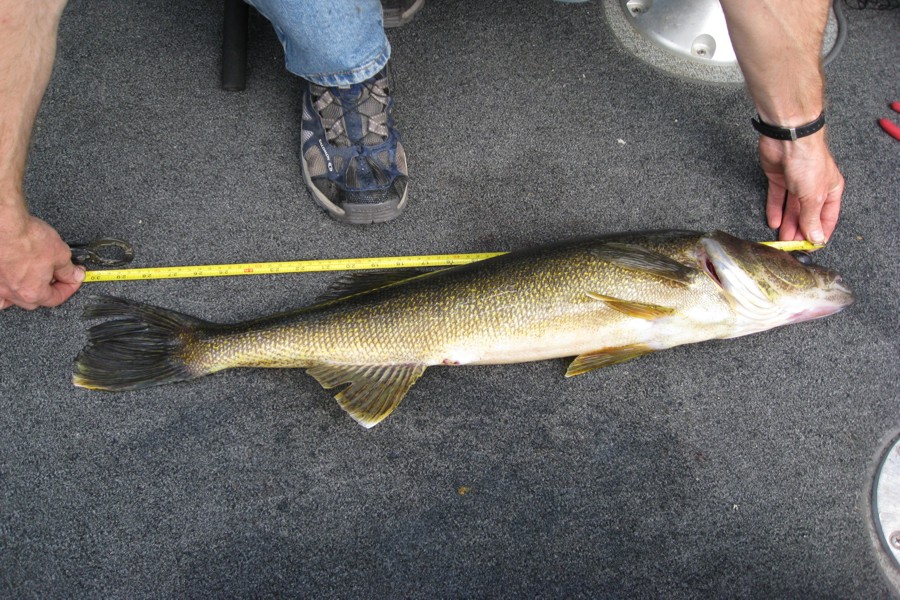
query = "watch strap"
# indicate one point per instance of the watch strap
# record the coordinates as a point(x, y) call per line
point(788, 133)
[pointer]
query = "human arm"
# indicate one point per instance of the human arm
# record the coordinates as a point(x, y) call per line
point(778, 45)
point(35, 264)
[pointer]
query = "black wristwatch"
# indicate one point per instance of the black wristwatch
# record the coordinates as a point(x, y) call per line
point(788, 133)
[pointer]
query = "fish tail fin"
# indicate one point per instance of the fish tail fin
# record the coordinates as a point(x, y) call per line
point(141, 347)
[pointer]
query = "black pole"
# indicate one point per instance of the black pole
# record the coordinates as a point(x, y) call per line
point(234, 46)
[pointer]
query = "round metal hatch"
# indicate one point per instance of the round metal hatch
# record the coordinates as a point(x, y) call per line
point(688, 38)
point(886, 508)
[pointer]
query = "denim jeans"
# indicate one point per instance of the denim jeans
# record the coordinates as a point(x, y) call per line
point(329, 42)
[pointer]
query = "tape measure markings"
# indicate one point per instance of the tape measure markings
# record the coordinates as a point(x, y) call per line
point(328, 264)
point(300, 266)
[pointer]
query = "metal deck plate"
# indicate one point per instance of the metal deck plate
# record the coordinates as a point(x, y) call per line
point(886, 502)
point(684, 37)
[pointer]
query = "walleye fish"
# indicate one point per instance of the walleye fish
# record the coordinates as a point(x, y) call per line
point(603, 300)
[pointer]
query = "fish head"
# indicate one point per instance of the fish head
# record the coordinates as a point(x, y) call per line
point(767, 287)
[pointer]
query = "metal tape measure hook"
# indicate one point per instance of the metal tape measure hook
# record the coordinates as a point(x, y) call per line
point(104, 252)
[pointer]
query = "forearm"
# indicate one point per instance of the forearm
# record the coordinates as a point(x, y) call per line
point(27, 49)
point(778, 44)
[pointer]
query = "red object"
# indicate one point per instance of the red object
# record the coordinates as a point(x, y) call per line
point(890, 128)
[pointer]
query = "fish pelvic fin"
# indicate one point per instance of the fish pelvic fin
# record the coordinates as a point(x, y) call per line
point(641, 310)
point(374, 391)
point(141, 346)
point(605, 357)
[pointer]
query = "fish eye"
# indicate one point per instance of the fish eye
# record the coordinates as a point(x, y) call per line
point(803, 257)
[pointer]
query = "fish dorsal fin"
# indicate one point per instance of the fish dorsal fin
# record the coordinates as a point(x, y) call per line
point(366, 281)
point(637, 258)
point(641, 310)
point(604, 358)
point(374, 390)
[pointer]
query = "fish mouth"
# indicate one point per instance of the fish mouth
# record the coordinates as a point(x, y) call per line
point(837, 297)
point(837, 284)
point(815, 313)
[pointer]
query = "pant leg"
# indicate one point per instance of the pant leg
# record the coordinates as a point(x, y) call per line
point(329, 42)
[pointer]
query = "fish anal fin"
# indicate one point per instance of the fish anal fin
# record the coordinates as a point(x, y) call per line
point(374, 390)
point(641, 310)
point(605, 357)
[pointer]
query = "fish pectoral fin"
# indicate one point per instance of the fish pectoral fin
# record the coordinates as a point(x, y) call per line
point(636, 258)
point(604, 358)
point(374, 390)
point(641, 310)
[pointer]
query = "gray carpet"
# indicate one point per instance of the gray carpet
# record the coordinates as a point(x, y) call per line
point(726, 469)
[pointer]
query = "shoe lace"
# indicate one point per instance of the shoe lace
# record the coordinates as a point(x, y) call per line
point(359, 105)
point(352, 105)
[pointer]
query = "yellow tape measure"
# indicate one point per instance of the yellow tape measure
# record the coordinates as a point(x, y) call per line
point(293, 266)
point(332, 264)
